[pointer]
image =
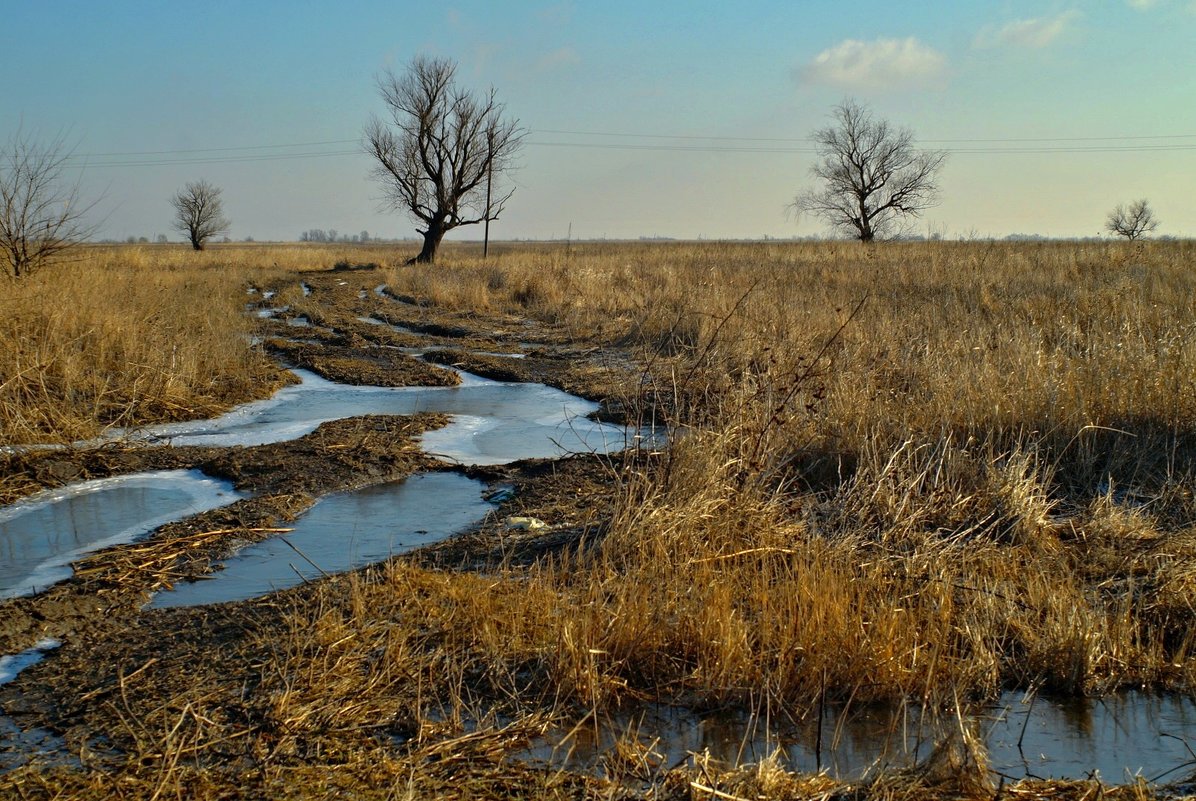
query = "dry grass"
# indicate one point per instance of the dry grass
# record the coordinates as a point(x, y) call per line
point(979, 477)
point(109, 342)
point(127, 335)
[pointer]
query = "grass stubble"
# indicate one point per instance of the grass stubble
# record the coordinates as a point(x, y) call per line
point(909, 472)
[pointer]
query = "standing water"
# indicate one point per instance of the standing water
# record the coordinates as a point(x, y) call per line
point(341, 532)
point(1121, 738)
point(41, 535)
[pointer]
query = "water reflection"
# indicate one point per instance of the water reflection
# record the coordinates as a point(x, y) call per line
point(494, 422)
point(342, 532)
point(41, 535)
point(1126, 736)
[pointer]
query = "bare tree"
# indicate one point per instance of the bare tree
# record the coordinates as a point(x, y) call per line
point(1132, 221)
point(199, 213)
point(872, 175)
point(41, 214)
point(440, 149)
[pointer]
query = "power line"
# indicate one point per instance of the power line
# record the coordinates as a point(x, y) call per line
point(992, 150)
point(809, 139)
point(217, 159)
point(216, 149)
point(253, 153)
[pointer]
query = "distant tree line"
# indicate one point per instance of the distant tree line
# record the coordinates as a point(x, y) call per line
point(333, 235)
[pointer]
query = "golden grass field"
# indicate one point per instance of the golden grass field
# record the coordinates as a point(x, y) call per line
point(983, 478)
point(909, 471)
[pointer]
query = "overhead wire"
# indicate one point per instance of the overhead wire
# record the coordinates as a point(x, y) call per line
point(667, 143)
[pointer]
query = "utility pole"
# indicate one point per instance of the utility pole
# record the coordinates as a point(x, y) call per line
point(489, 176)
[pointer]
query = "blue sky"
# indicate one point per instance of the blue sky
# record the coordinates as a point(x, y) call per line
point(669, 118)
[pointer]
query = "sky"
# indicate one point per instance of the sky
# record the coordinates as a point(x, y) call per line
point(672, 119)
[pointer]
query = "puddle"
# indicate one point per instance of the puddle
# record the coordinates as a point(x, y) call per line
point(1122, 737)
point(494, 422)
point(21, 746)
point(306, 289)
point(402, 329)
point(13, 664)
point(41, 535)
point(1125, 735)
point(342, 532)
point(298, 322)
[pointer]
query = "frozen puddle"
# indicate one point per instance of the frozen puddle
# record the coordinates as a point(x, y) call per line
point(41, 535)
point(493, 423)
point(342, 532)
point(13, 664)
point(1121, 737)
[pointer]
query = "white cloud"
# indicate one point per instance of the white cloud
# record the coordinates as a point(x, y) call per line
point(1141, 5)
point(1036, 32)
point(881, 63)
point(561, 57)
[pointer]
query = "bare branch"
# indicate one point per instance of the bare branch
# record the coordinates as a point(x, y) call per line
point(41, 214)
point(439, 148)
point(1132, 221)
point(872, 175)
point(199, 213)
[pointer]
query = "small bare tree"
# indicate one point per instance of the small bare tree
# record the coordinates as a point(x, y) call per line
point(872, 175)
point(440, 150)
point(41, 214)
point(199, 213)
point(1132, 221)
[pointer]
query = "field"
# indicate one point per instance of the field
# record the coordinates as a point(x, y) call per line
point(908, 472)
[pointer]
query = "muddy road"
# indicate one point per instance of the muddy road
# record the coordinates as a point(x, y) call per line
point(351, 332)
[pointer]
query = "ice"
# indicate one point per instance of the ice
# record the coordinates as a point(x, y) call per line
point(342, 532)
point(41, 535)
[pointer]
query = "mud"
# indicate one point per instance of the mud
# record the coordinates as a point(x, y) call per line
point(102, 602)
point(350, 365)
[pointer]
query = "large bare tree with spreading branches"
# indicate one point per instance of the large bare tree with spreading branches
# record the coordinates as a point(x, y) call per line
point(199, 213)
point(41, 214)
point(872, 176)
point(1133, 220)
point(440, 149)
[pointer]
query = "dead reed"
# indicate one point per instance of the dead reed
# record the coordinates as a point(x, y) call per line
point(909, 472)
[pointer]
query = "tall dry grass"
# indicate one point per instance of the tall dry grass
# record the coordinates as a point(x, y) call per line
point(910, 470)
point(906, 471)
point(125, 336)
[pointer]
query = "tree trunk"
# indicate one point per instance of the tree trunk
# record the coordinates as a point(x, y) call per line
point(432, 238)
